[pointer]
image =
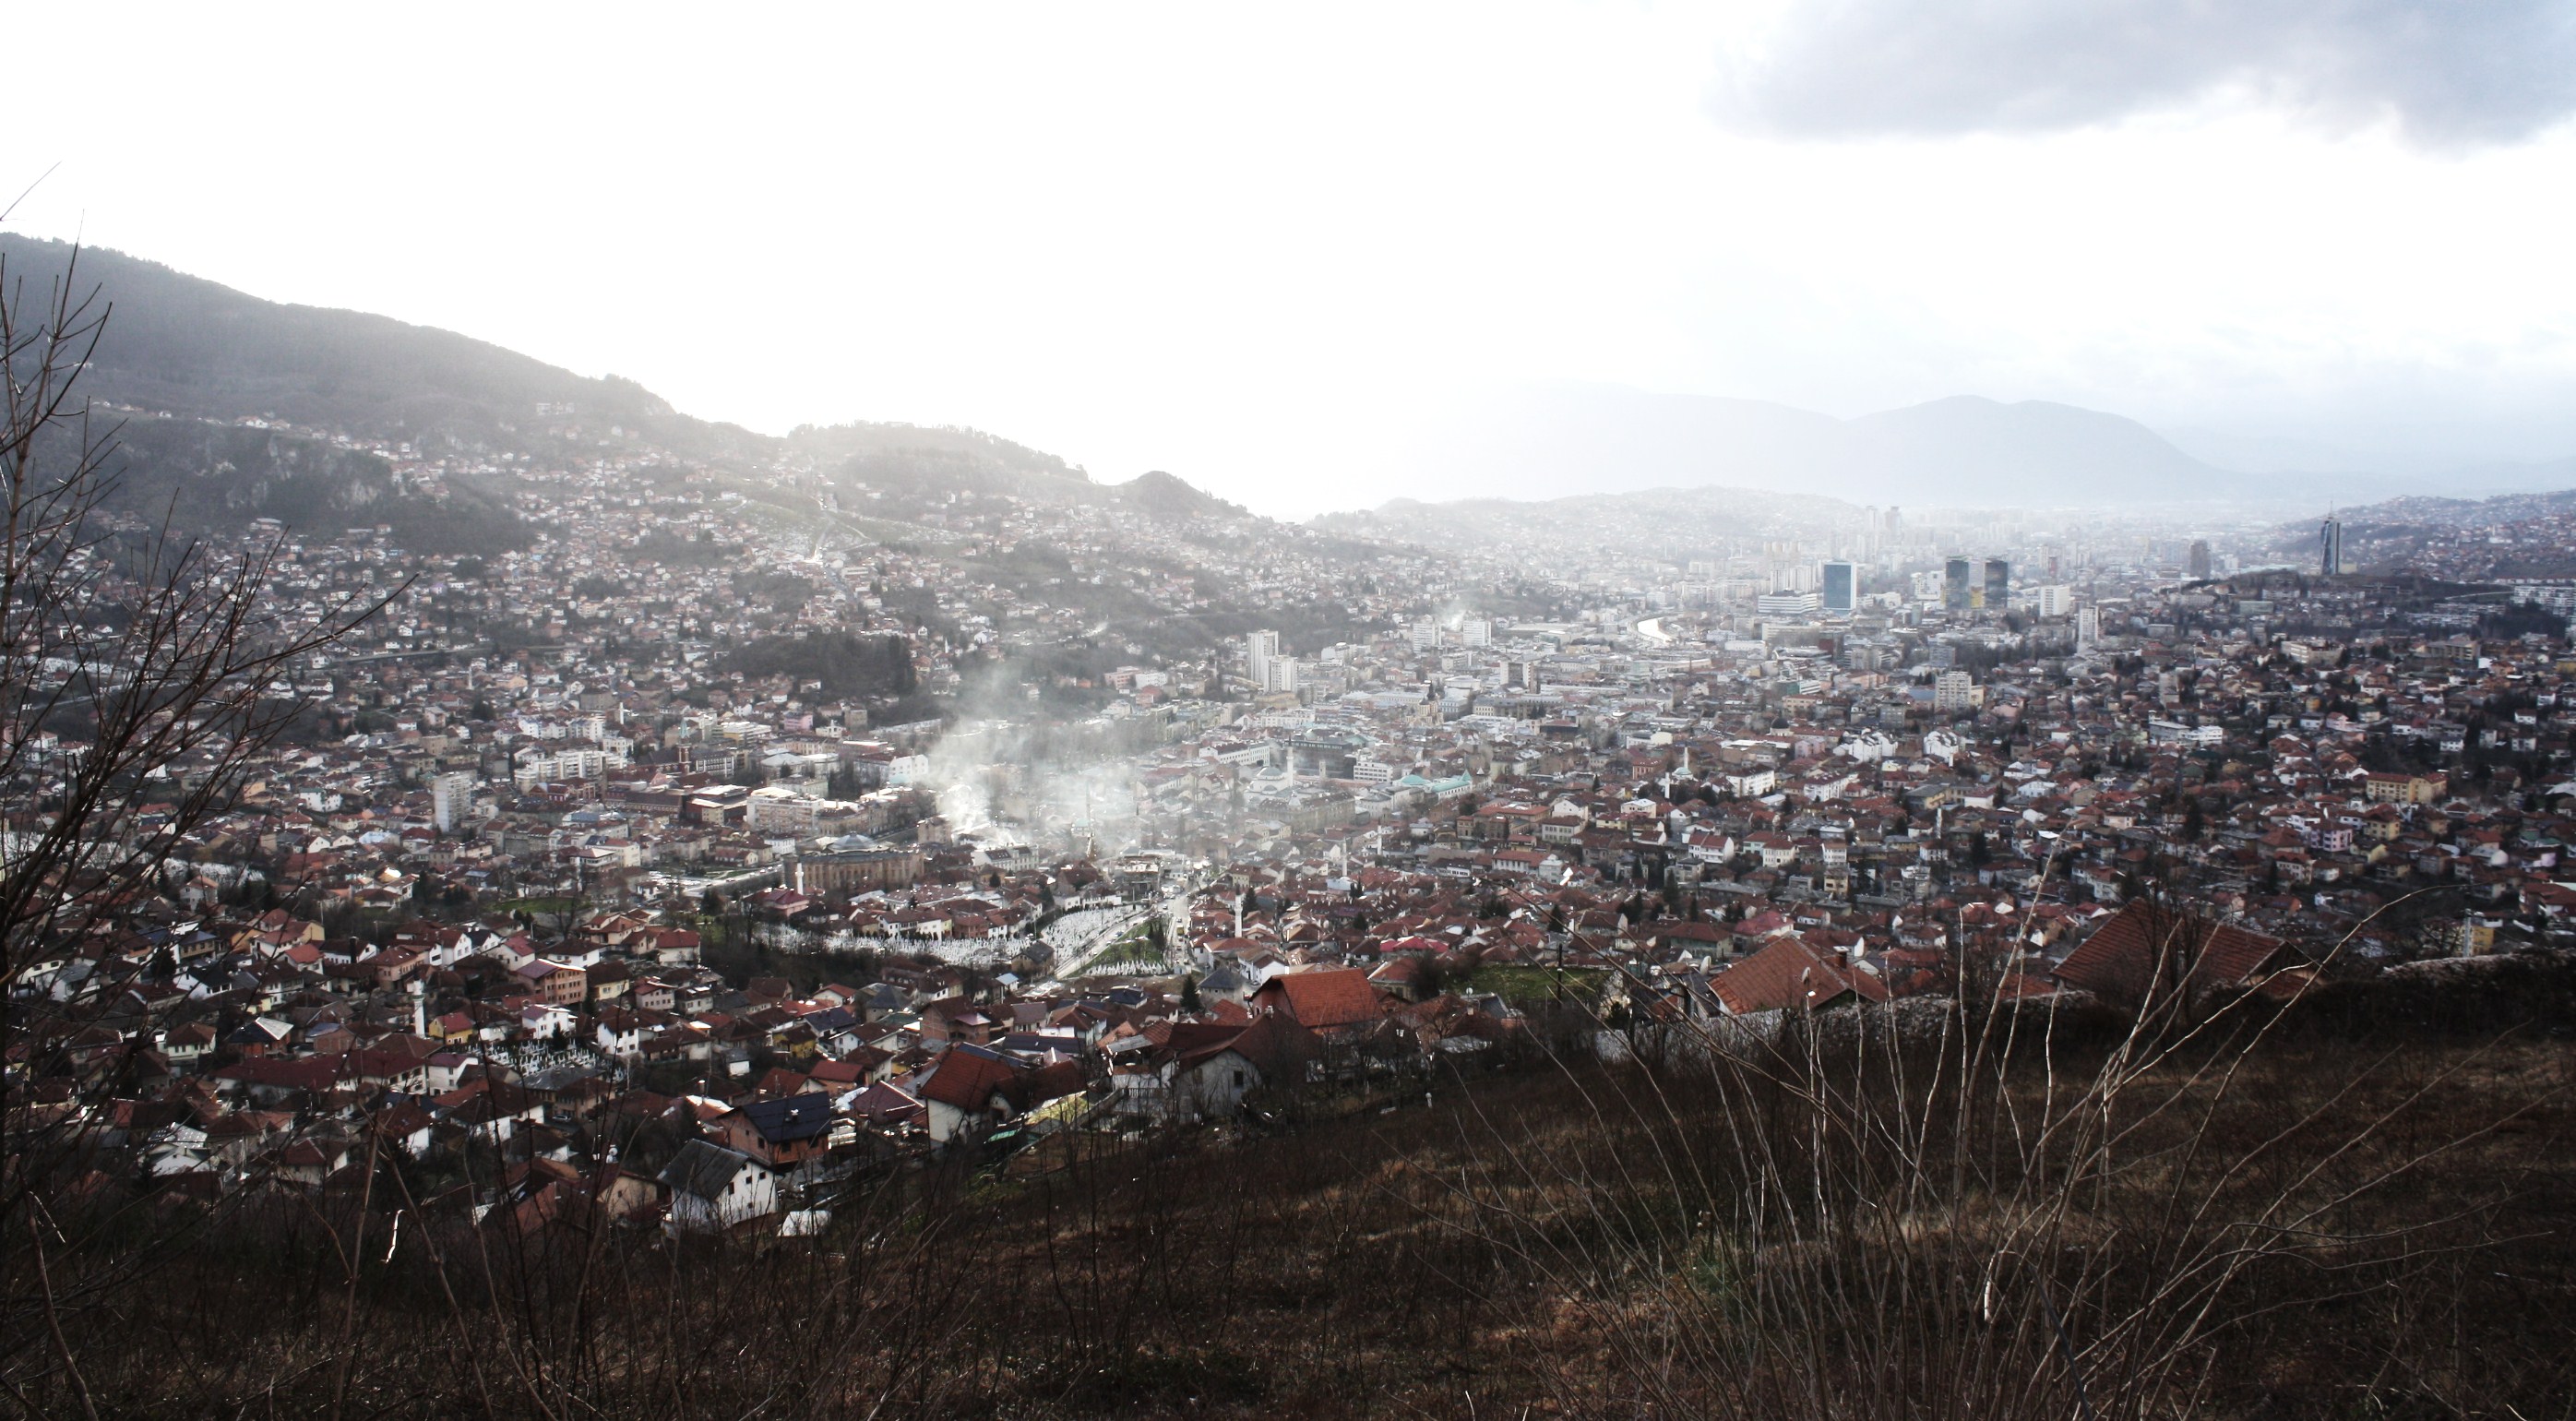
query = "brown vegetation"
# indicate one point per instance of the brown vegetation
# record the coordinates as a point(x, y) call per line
point(2256, 1219)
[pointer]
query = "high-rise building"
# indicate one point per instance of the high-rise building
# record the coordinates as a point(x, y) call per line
point(1426, 633)
point(1958, 585)
point(2199, 561)
point(1998, 584)
point(1838, 581)
point(1476, 631)
point(1259, 650)
point(451, 801)
point(2056, 600)
point(2088, 628)
point(2330, 547)
point(1954, 691)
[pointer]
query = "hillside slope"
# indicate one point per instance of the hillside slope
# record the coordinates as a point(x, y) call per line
point(193, 347)
point(188, 363)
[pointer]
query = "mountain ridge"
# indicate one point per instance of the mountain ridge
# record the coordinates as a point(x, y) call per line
point(1551, 440)
point(193, 348)
point(204, 360)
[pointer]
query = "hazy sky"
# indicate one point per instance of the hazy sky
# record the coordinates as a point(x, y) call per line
point(1234, 242)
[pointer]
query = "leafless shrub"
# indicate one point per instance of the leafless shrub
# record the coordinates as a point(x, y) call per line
point(1990, 1209)
point(138, 669)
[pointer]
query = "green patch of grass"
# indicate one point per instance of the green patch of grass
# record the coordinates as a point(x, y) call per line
point(1527, 985)
point(1152, 1377)
point(888, 530)
point(1134, 948)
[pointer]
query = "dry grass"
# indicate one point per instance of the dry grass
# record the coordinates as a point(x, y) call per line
point(2267, 1228)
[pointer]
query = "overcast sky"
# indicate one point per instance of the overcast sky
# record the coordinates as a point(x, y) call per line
point(1235, 243)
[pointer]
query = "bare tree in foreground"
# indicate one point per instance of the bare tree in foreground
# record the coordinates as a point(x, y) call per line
point(141, 677)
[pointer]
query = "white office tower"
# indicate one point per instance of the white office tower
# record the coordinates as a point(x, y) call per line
point(1476, 631)
point(1259, 650)
point(2088, 628)
point(1426, 633)
point(451, 801)
point(2056, 600)
point(1279, 676)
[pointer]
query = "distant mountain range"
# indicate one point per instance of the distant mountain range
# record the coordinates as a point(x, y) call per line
point(190, 348)
point(1545, 441)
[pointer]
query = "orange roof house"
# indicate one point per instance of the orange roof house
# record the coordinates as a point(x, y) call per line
point(1335, 999)
point(2142, 945)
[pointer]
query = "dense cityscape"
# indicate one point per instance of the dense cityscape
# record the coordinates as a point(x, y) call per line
point(961, 862)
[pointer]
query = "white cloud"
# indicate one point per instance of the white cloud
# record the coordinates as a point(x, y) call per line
point(2446, 72)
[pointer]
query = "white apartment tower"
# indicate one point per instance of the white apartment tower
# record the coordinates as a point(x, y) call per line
point(1269, 672)
point(451, 801)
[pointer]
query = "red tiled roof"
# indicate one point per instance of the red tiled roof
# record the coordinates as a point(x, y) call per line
point(1787, 973)
point(1321, 1000)
point(2125, 955)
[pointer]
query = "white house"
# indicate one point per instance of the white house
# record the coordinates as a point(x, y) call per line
point(714, 1188)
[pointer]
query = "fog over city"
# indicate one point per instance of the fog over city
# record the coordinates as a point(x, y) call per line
point(1296, 256)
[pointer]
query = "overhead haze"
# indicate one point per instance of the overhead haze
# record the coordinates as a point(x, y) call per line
point(1275, 253)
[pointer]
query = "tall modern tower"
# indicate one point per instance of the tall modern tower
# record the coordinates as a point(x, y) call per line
point(1259, 650)
point(2200, 562)
point(1838, 586)
point(1998, 584)
point(1956, 582)
point(2330, 547)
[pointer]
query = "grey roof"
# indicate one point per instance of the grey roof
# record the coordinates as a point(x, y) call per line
point(703, 1169)
point(794, 1117)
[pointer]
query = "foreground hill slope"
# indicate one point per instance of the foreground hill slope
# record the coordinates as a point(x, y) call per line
point(2362, 1210)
